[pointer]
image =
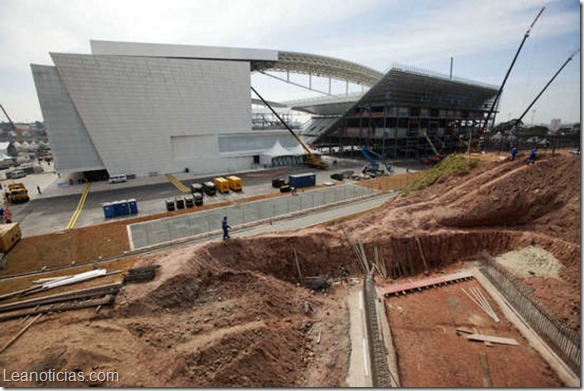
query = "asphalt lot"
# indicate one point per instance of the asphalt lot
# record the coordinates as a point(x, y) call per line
point(52, 210)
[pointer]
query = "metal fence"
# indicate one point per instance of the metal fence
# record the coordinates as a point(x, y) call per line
point(164, 230)
point(562, 340)
point(380, 373)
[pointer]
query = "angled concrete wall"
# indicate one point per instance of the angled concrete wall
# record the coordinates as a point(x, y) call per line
point(73, 149)
point(157, 115)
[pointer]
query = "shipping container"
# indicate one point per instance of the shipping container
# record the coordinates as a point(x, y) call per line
point(299, 181)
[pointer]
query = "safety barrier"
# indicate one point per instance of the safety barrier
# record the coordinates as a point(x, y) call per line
point(562, 340)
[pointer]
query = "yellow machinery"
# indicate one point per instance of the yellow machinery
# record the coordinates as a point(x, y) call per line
point(221, 184)
point(16, 131)
point(9, 235)
point(17, 193)
point(234, 183)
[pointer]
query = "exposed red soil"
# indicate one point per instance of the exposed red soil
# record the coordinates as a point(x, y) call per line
point(231, 313)
point(431, 354)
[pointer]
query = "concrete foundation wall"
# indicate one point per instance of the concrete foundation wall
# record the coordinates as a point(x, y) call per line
point(155, 232)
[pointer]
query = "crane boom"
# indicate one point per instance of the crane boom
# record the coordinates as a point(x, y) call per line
point(18, 135)
point(312, 160)
point(507, 75)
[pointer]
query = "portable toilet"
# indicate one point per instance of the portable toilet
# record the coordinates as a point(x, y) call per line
point(124, 208)
point(116, 206)
point(221, 184)
point(133, 206)
point(108, 210)
point(234, 183)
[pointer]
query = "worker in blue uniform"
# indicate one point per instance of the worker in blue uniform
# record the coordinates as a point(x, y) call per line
point(226, 227)
point(532, 156)
point(513, 153)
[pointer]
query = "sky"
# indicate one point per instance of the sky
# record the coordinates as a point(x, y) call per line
point(481, 36)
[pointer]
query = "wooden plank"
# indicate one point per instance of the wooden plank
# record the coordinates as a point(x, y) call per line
point(486, 372)
point(71, 295)
point(7, 345)
point(489, 338)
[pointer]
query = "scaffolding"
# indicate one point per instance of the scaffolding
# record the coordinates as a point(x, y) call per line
point(393, 115)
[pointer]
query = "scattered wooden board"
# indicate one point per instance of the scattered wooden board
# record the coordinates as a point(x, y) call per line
point(489, 338)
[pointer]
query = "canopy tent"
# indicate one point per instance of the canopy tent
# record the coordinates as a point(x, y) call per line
point(278, 156)
point(299, 150)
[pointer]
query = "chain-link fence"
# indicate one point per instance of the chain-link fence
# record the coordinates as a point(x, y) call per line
point(159, 231)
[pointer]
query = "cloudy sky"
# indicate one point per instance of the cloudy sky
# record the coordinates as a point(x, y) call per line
point(482, 36)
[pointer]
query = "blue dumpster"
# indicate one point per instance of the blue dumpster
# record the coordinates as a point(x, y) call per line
point(133, 206)
point(124, 208)
point(108, 210)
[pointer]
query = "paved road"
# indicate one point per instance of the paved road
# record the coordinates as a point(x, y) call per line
point(51, 211)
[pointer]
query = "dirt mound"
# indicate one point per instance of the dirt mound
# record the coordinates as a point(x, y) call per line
point(232, 314)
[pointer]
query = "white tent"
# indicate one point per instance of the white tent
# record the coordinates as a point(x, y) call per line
point(277, 150)
point(299, 150)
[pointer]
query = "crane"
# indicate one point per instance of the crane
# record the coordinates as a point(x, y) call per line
point(490, 112)
point(374, 166)
point(431, 159)
point(18, 134)
point(312, 160)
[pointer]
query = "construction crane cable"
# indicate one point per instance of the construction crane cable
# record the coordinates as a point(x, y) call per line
point(495, 101)
point(546, 86)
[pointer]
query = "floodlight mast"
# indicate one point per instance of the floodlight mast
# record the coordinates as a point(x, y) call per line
point(507, 75)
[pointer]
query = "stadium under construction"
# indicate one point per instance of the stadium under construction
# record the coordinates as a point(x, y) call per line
point(142, 109)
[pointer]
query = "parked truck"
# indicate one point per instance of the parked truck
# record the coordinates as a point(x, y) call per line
point(17, 193)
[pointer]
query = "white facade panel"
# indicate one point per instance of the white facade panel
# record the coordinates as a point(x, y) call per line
point(133, 108)
point(72, 147)
point(181, 51)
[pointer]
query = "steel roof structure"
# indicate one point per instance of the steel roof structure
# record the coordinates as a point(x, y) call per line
point(322, 66)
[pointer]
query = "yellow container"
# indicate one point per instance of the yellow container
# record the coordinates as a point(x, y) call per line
point(221, 184)
point(234, 183)
point(9, 235)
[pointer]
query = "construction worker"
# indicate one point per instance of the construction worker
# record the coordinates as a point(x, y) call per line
point(226, 227)
point(531, 159)
point(513, 153)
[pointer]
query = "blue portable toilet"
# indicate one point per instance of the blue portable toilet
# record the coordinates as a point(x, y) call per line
point(124, 208)
point(133, 206)
point(108, 210)
point(117, 208)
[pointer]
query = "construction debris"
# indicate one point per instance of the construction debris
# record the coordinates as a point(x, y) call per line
point(479, 299)
point(13, 339)
point(415, 286)
point(67, 296)
point(489, 338)
point(486, 372)
point(141, 274)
